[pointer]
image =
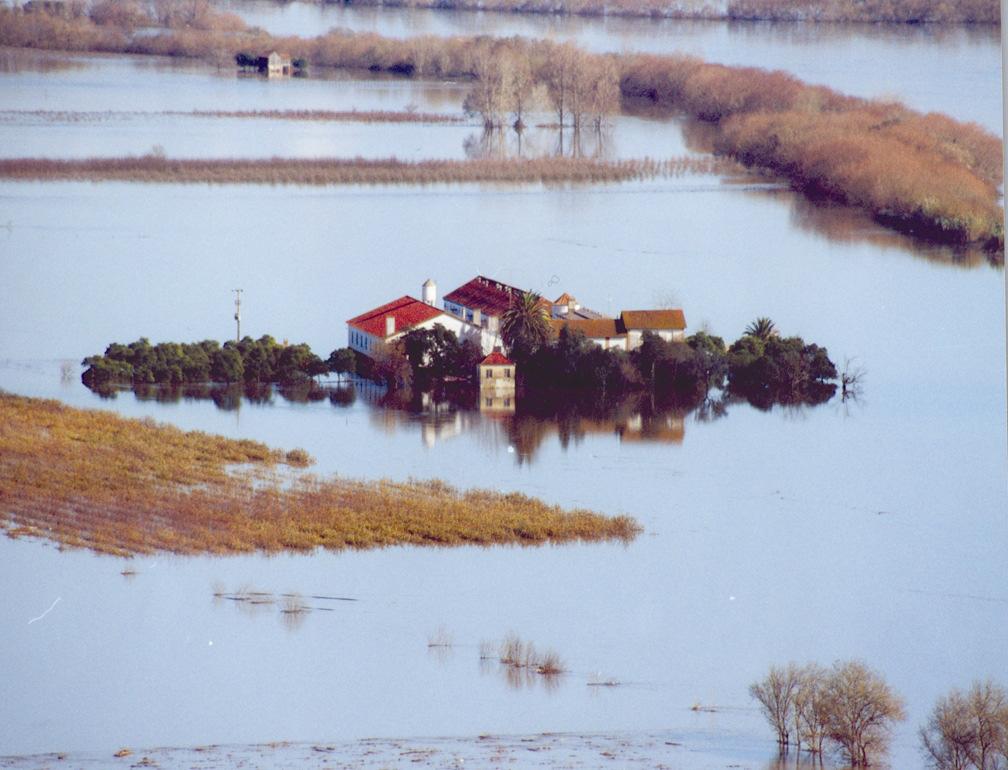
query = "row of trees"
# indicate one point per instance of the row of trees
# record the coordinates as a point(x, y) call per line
point(850, 708)
point(249, 360)
point(578, 87)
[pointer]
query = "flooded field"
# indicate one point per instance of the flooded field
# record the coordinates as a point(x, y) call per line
point(873, 529)
point(954, 69)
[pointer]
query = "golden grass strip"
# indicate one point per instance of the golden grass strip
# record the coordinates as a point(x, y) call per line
point(352, 171)
point(95, 480)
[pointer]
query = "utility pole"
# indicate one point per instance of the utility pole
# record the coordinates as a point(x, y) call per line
point(238, 293)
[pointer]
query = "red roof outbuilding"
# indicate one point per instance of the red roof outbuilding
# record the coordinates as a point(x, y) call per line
point(407, 311)
point(496, 358)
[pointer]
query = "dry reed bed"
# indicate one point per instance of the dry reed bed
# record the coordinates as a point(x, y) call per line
point(329, 116)
point(929, 175)
point(95, 480)
point(338, 171)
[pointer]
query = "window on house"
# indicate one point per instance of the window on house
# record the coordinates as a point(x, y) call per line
point(507, 402)
point(489, 402)
point(489, 374)
point(507, 372)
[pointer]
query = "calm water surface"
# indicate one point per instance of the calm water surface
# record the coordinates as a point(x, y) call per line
point(873, 530)
point(956, 70)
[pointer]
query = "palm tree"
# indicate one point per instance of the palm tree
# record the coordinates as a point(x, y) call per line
point(524, 325)
point(761, 328)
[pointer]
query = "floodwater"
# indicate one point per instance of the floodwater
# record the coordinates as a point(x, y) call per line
point(955, 70)
point(873, 529)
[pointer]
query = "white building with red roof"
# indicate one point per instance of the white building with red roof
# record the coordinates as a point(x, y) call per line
point(368, 332)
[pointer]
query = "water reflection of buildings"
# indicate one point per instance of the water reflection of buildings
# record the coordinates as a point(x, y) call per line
point(495, 420)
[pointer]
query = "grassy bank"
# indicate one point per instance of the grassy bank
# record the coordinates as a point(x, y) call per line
point(95, 480)
point(928, 175)
point(335, 171)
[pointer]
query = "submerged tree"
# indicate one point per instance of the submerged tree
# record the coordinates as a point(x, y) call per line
point(968, 731)
point(861, 712)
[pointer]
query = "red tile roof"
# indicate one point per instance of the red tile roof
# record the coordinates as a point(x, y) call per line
point(496, 359)
point(407, 311)
point(653, 319)
point(564, 299)
point(488, 296)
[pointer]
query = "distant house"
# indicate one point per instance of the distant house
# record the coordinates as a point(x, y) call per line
point(566, 307)
point(627, 331)
point(278, 64)
point(496, 372)
point(670, 325)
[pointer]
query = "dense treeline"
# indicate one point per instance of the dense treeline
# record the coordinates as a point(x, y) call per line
point(929, 175)
point(252, 361)
point(155, 168)
point(760, 366)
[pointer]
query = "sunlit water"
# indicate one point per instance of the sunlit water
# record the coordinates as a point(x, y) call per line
point(873, 530)
point(956, 69)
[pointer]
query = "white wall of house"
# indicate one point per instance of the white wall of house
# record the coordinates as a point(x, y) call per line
point(369, 344)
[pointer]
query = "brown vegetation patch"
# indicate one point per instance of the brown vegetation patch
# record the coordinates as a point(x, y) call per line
point(339, 171)
point(95, 480)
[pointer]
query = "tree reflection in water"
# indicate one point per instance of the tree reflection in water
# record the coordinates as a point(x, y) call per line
point(522, 423)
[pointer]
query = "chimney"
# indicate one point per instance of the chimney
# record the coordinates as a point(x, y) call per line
point(389, 325)
point(477, 317)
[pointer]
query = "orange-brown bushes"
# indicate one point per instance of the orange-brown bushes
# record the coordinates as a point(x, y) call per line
point(95, 480)
point(896, 11)
point(928, 174)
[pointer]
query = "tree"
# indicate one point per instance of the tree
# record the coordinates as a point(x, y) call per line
point(776, 695)
point(491, 89)
point(392, 368)
point(762, 328)
point(558, 75)
point(861, 712)
point(342, 361)
point(711, 358)
point(525, 325)
point(226, 365)
point(968, 730)
point(811, 707)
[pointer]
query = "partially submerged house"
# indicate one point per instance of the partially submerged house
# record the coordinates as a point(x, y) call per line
point(368, 332)
point(278, 64)
point(474, 310)
point(627, 331)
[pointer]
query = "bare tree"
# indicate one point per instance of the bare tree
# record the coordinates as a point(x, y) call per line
point(521, 90)
point(861, 710)
point(811, 707)
point(776, 696)
point(851, 380)
point(488, 96)
point(968, 730)
point(558, 74)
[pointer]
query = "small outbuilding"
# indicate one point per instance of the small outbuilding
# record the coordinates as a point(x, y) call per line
point(497, 372)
